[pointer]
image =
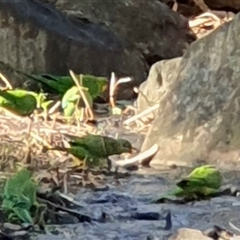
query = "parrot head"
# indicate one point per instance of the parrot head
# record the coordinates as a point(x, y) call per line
point(125, 146)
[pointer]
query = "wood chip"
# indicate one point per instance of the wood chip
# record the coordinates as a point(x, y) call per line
point(139, 158)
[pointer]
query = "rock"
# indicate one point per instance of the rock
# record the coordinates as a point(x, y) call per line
point(157, 83)
point(15, 78)
point(202, 5)
point(37, 38)
point(223, 4)
point(189, 234)
point(150, 25)
point(198, 120)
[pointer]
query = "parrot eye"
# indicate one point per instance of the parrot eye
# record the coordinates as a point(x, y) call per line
point(126, 145)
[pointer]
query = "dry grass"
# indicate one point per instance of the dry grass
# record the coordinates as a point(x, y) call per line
point(19, 148)
point(22, 146)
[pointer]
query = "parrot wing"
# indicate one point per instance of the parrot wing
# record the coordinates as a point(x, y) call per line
point(83, 154)
point(94, 144)
point(60, 84)
point(202, 171)
point(57, 84)
point(208, 174)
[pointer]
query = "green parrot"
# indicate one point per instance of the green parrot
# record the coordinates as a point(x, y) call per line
point(70, 99)
point(201, 182)
point(19, 197)
point(19, 101)
point(60, 84)
point(93, 148)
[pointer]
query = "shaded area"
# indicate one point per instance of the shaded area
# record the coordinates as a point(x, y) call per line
point(129, 215)
point(41, 39)
point(153, 32)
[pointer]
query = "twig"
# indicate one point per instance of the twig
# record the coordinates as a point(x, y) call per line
point(175, 6)
point(69, 199)
point(4, 79)
point(141, 114)
point(82, 93)
point(54, 107)
point(139, 158)
point(209, 14)
point(111, 90)
point(11, 115)
point(234, 227)
point(40, 139)
point(113, 85)
point(197, 21)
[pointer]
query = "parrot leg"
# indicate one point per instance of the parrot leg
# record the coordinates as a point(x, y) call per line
point(84, 163)
point(109, 164)
point(29, 125)
point(76, 161)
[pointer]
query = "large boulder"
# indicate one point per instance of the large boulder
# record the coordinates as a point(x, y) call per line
point(199, 119)
point(37, 38)
point(159, 78)
point(189, 234)
point(156, 31)
point(223, 4)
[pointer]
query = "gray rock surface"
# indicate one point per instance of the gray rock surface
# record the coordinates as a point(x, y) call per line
point(189, 234)
point(198, 118)
point(219, 4)
point(127, 195)
point(35, 37)
point(159, 78)
point(156, 31)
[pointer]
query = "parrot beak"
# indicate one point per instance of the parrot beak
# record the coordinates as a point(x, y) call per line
point(135, 149)
point(104, 88)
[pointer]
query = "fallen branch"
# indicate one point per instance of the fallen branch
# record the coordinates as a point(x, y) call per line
point(54, 107)
point(113, 85)
point(141, 114)
point(4, 79)
point(234, 227)
point(204, 18)
point(139, 158)
point(83, 96)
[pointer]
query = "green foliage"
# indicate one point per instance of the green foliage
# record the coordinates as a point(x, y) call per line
point(202, 182)
point(19, 197)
